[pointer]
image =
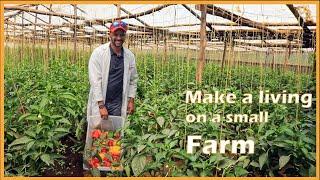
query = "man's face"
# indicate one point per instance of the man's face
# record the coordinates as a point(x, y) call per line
point(117, 37)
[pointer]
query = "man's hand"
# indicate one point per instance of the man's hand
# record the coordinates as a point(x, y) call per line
point(104, 113)
point(130, 109)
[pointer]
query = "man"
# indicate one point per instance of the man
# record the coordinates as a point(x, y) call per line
point(113, 78)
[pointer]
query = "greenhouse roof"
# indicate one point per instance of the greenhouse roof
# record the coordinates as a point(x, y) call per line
point(172, 18)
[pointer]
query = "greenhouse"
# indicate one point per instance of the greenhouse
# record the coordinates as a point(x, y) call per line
point(216, 49)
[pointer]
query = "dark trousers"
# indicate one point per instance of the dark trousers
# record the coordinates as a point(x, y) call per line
point(114, 108)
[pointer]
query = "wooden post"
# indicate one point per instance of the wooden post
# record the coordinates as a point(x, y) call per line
point(307, 37)
point(155, 35)
point(266, 62)
point(90, 43)
point(34, 37)
point(290, 48)
point(232, 51)
point(75, 35)
point(133, 39)
point(287, 55)
point(224, 52)
point(141, 43)
point(129, 39)
point(130, 14)
point(201, 61)
point(48, 40)
point(165, 47)
point(14, 38)
point(22, 38)
point(314, 62)
point(189, 49)
point(94, 37)
point(118, 10)
point(67, 43)
point(83, 43)
point(57, 52)
point(273, 61)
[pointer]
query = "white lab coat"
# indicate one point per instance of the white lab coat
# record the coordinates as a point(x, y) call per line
point(98, 76)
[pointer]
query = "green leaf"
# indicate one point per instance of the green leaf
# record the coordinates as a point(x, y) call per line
point(46, 158)
point(205, 173)
point(72, 112)
point(308, 172)
point(269, 132)
point(305, 151)
point(33, 117)
point(240, 171)
point(262, 159)
point(312, 156)
point(56, 116)
point(191, 173)
point(31, 133)
point(160, 155)
point(169, 132)
point(174, 113)
point(20, 147)
point(127, 169)
point(64, 121)
point(226, 163)
point(140, 148)
point(138, 163)
point(280, 144)
point(308, 140)
point(213, 158)
point(160, 121)
point(44, 102)
point(271, 174)
point(23, 116)
point(193, 158)
point(95, 172)
point(110, 134)
point(146, 136)
point(312, 171)
point(283, 161)
point(246, 163)
point(29, 145)
point(197, 165)
point(25, 155)
point(254, 164)
point(173, 143)
point(61, 130)
point(289, 132)
point(242, 158)
point(68, 96)
point(22, 140)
